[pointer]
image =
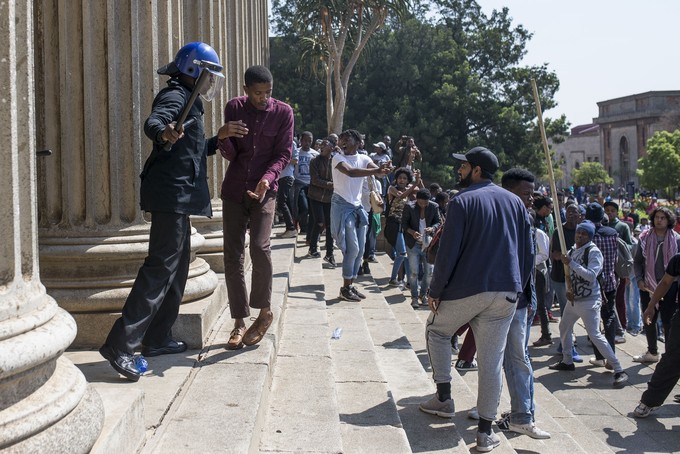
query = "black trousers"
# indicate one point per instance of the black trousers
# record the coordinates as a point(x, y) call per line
point(667, 308)
point(321, 216)
point(667, 371)
point(153, 303)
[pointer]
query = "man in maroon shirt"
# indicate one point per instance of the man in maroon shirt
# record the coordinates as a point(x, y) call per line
point(257, 140)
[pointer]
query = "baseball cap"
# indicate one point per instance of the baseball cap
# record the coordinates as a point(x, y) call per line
point(380, 145)
point(480, 156)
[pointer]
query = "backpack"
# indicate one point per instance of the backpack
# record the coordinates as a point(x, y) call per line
point(624, 259)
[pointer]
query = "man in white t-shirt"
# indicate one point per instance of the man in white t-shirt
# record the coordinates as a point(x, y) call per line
point(349, 220)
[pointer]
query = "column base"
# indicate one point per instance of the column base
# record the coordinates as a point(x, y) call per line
point(193, 324)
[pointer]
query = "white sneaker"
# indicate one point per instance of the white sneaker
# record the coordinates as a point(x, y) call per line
point(473, 414)
point(529, 429)
point(646, 358)
point(597, 362)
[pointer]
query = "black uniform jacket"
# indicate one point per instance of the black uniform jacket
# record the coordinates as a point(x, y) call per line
point(176, 181)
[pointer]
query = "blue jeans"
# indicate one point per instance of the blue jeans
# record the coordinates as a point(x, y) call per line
point(399, 256)
point(355, 239)
point(633, 312)
point(518, 371)
point(561, 294)
point(416, 256)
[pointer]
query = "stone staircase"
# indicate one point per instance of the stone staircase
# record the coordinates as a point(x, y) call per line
point(301, 391)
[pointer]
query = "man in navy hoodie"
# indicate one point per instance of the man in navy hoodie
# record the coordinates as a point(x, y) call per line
point(465, 288)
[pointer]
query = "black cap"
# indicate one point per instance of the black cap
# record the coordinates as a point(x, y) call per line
point(480, 156)
point(594, 212)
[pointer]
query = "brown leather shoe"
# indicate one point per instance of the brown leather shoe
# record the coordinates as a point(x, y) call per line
point(258, 329)
point(236, 338)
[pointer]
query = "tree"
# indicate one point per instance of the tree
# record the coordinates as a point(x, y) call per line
point(333, 36)
point(452, 81)
point(660, 169)
point(591, 174)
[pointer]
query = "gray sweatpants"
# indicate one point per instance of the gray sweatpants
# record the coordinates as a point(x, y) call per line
point(489, 315)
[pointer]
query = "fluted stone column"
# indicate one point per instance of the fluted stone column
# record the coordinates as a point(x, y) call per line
point(96, 80)
point(45, 402)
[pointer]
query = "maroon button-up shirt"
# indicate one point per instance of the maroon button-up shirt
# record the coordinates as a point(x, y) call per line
point(263, 153)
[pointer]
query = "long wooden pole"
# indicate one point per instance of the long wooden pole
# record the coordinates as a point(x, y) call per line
point(553, 187)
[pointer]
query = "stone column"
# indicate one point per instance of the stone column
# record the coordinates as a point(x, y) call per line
point(45, 402)
point(96, 80)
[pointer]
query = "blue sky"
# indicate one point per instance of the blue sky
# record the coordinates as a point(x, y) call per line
point(600, 49)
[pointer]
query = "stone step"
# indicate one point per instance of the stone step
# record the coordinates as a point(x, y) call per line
point(370, 420)
point(223, 401)
point(412, 323)
point(302, 414)
point(123, 429)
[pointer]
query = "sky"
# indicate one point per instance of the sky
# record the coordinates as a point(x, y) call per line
point(599, 49)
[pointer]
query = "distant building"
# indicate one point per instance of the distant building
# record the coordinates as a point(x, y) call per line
point(618, 136)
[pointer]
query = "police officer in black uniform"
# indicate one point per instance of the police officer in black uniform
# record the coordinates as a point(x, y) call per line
point(174, 186)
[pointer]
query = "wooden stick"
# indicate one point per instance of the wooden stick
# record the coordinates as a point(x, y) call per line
point(553, 187)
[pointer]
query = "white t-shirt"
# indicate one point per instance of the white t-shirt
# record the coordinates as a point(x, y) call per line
point(349, 188)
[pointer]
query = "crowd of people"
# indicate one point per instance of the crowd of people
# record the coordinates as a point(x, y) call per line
point(487, 258)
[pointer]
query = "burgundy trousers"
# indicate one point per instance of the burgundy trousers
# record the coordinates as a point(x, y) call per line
point(237, 218)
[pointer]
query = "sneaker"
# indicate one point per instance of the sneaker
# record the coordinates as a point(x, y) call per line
point(393, 283)
point(372, 259)
point(620, 339)
point(423, 300)
point(504, 423)
point(486, 443)
point(597, 362)
point(289, 234)
point(642, 410)
point(543, 341)
point(366, 268)
point(529, 429)
point(620, 379)
point(313, 254)
point(646, 358)
point(562, 366)
point(661, 338)
point(473, 414)
point(330, 261)
point(463, 365)
point(576, 357)
point(354, 290)
point(433, 406)
point(415, 304)
point(347, 294)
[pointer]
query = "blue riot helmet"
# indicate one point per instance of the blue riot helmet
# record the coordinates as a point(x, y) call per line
point(192, 60)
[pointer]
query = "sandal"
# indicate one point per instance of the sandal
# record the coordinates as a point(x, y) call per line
point(236, 338)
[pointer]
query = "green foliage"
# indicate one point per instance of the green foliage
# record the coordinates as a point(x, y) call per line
point(453, 82)
point(660, 169)
point(590, 174)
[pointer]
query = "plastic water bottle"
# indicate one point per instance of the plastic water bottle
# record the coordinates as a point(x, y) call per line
point(141, 364)
point(337, 333)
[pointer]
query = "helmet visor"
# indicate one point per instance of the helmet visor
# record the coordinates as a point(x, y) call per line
point(211, 84)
